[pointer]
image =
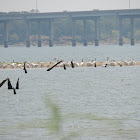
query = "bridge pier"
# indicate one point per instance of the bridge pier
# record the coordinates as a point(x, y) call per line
point(120, 32)
point(73, 32)
point(132, 31)
point(5, 34)
point(85, 32)
point(27, 34)
point(50, 33)
point(96, 32)
point(39, 34)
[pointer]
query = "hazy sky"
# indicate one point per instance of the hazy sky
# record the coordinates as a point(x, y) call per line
point(68, 5)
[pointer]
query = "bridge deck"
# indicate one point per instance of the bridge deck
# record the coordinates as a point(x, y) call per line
point(73, 14)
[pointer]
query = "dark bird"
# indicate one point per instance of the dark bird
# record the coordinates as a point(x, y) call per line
point(17, 85)
point(72, 65)
point(64, 67)
point(1, 84)
point(54, 65)
point(25, 67)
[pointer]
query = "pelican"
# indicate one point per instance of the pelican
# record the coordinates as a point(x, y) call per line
point(19, 66)
point(113, 63)
point(28, 65)
point(82, 63)
point(126, 62)
point(132, 62)
point(33, 65)
point(41, 64)
point(13, 65)
point(106, 63)
point(68, 64)
point(4, 66)
point(89, 63)
point(94, 62)
point(76, 64)
point(119, 63)
point(61, 64)
point(48, 65)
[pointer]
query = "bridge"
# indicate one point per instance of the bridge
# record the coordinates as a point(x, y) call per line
point(75, 15)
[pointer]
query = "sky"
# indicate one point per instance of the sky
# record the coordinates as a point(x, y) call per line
point(66, 5)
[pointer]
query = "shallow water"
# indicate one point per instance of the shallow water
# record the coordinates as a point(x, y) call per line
point(94, 103)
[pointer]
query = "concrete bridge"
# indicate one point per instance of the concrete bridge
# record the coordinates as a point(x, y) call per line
point(80, 15)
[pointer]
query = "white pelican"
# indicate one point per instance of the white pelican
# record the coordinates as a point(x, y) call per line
point(48, 65)
point(126, 62)
point(4, 66)
point(113, 63)
point(41, 64)
point(19, 66)
point(13, 65)
point(82, 63)
point(106, 63)
point(94, 62)
point(120, 64)
point(33, 65)
point(76, 64)
point(89, 63)
point(132, 62)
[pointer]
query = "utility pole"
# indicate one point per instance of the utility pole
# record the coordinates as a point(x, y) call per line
point(129, 4)
point(36, 5)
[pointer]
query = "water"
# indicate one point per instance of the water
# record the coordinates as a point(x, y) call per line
point(116, 52)
point(94, 103)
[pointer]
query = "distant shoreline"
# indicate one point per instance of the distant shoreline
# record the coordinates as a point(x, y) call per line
point(68, 43)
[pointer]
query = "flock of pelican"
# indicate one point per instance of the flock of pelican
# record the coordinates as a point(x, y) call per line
point(65, 64)
point(58, 63)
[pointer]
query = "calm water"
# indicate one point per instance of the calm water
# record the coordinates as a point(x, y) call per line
point(21, 54)
point(94, 103)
